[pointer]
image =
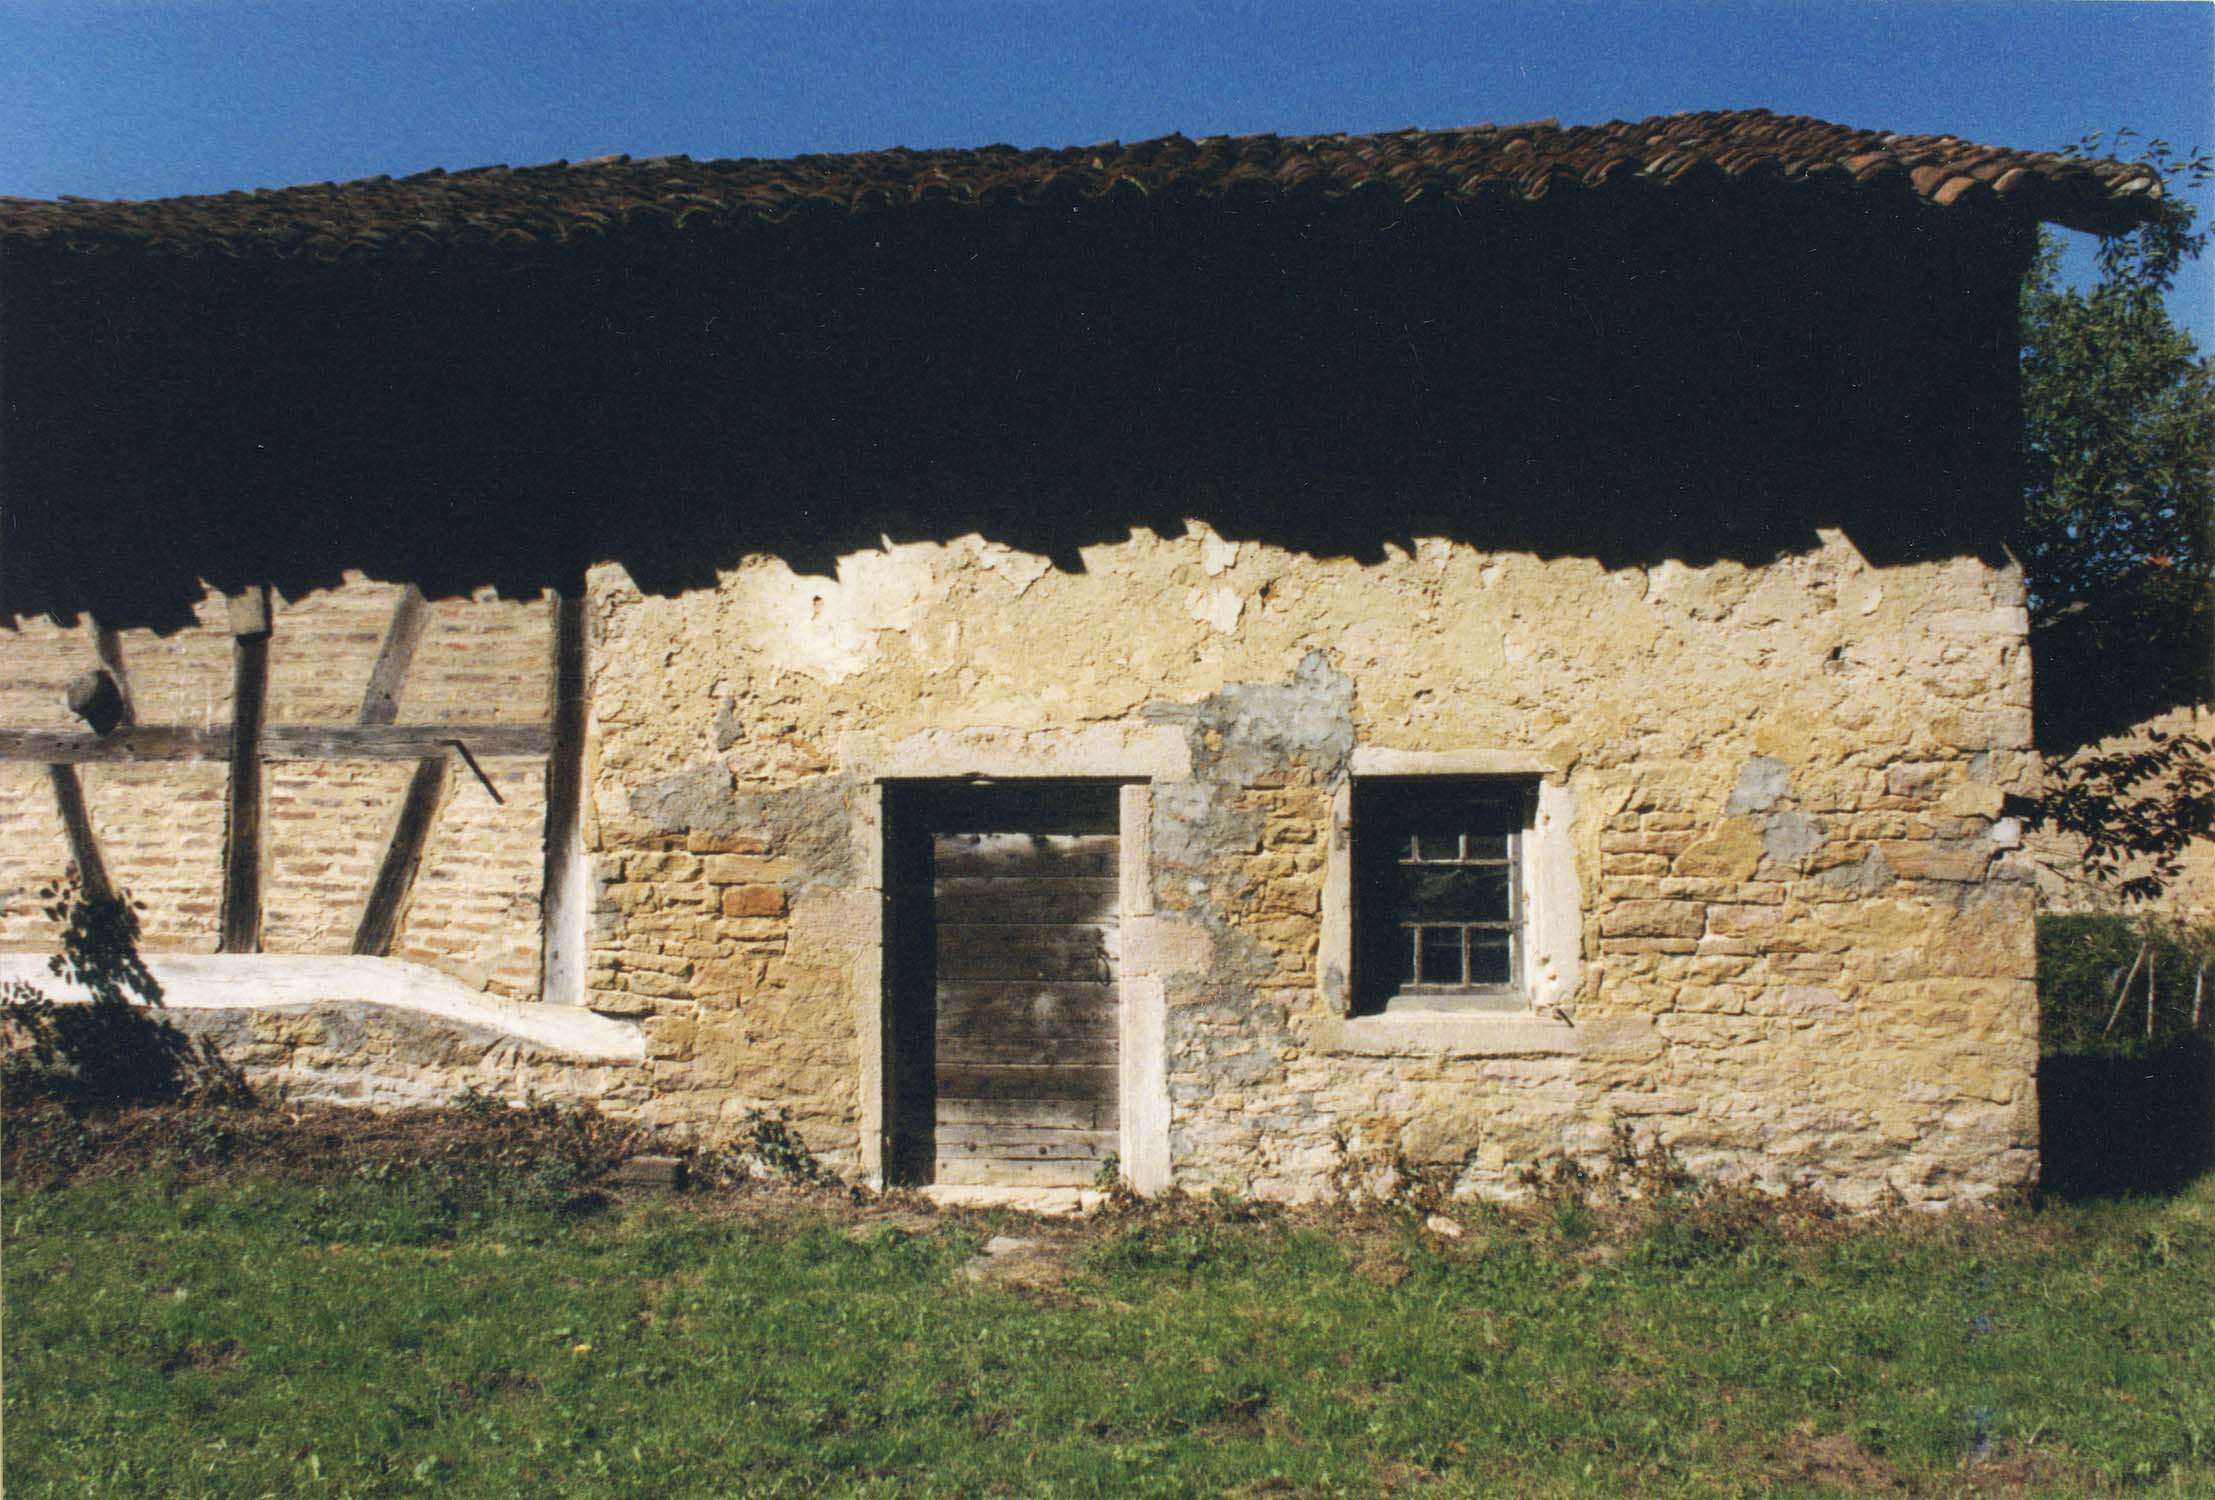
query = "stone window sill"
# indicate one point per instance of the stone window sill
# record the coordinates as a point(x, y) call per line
point(1444, 1033)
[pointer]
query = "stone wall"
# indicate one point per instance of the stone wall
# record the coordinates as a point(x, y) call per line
point(1793, 933)
point(1803, 936)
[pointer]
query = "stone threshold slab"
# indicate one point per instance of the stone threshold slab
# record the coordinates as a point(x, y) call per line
point(1027, 1200)
point(269, 981)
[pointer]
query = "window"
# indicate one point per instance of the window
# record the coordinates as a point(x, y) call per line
point(1439, 893)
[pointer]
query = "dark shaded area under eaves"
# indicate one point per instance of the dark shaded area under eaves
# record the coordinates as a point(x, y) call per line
point(1687, 375)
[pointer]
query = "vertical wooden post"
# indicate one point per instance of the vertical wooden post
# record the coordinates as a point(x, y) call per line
point(84, 848)
point(563, 899)
point(2122, 991)
point(108, 648)
point(249, 613)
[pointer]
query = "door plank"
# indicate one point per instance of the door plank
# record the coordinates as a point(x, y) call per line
point(971, 1172)
point(1008, 1081)
point(1043, 856)
point(968, 900)
point(1095, 1051)
point(998, 1114)
point(1065, 952)
point(976, 1139)
point(1088, 1146)
point(982, 1007)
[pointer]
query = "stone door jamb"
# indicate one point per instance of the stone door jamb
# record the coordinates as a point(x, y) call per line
point(1140, 756)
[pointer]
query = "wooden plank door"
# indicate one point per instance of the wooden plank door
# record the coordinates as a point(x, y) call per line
point(1026, 1008)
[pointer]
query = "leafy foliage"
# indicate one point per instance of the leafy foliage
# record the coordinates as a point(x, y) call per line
point(765, 1148)
point(2118, 543)
point(2118, 467)
point(2119, 419)
point(2086, 963)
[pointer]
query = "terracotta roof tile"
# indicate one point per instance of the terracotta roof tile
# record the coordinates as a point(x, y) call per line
point(518, 210)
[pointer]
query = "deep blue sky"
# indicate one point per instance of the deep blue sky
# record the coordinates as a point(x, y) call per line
point(161, 97)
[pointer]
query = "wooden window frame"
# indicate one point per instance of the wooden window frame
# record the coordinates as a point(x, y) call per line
point(1384, 811)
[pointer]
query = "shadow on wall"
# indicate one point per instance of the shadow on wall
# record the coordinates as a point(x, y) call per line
point(113, 1049)
point(1666, 380)
point(2114, 1125)
point(2108, 668)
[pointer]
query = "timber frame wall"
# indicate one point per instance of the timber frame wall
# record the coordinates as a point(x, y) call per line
point(484, 751)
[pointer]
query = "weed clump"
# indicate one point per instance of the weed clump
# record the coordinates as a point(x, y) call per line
point(1177, 1231)
point(765, 1149)
point(1642, 1203)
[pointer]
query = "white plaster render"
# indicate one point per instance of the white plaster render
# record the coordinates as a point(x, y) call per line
point(268, 981)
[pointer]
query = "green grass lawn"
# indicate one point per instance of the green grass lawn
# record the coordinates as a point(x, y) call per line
point(265, 1333)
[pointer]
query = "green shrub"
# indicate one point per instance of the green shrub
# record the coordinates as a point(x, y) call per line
point(2083, 963)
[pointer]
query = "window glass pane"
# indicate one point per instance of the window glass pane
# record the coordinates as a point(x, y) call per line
point(1488, 824)
point(1452, 893)
point(1441, 956)
point(1433, 842)
point(1488, 960)
point(1402, 957)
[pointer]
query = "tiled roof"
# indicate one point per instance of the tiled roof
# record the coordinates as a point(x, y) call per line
point(520, 209)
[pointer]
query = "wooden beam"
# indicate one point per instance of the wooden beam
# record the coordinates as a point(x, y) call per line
point(398, 741)
point(152, 742)
point(242, 840)
point(562, 893)
point(84, 847)
point(380, 918)
point(145, 742)
point(381, 703)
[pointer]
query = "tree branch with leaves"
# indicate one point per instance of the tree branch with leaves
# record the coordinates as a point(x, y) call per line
point(2118, 539)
